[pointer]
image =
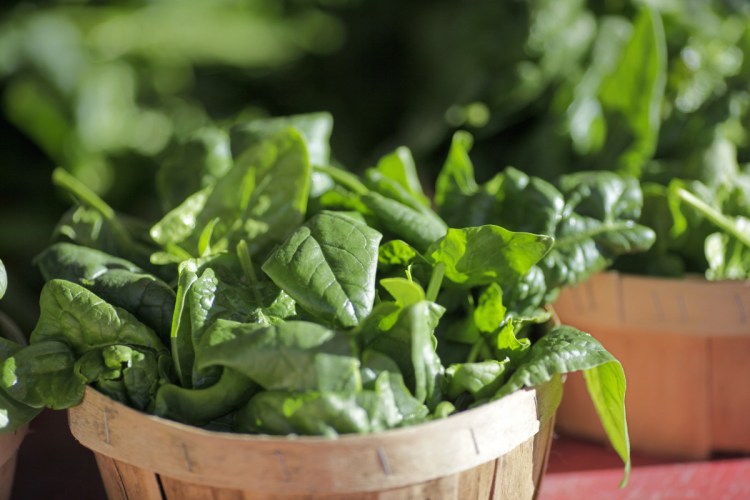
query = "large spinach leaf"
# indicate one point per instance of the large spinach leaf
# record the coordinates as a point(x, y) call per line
point(72, 314)
point(259, 199)
point(565, 349)
point(328, 266)
point(289, 356)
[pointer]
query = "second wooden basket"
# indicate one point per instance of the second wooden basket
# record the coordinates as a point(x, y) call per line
point(684, 345)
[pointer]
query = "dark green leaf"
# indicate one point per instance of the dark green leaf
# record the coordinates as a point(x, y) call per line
point(328, 266)
point(306, 413)
point(410, 342)
point(43, 375)
point(291, 356)
point(13, 414)
point(199, 406)
point(72, 314)
point(315, 128)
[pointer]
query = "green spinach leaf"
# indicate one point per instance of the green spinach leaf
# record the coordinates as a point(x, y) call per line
point(328, 267)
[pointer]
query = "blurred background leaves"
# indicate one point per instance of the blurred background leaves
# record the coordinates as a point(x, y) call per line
point(655, 88)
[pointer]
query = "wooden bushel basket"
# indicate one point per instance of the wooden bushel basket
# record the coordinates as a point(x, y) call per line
point(9, 444)
point(498, 450)
point(685, 348)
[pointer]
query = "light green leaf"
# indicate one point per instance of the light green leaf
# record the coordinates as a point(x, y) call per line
point(487, 254)
point(565, 349)
point(404, 291)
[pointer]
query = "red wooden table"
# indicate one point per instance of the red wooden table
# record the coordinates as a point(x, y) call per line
point(581, 470)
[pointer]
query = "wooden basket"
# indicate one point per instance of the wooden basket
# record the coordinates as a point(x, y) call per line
point(685, 348)
point(498, 450)
point(9, 444)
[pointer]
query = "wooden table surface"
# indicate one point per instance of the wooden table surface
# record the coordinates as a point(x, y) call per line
point(52, 465)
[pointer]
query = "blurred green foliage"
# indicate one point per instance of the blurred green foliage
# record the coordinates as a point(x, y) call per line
point(655, 88)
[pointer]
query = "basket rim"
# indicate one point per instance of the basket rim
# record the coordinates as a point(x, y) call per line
point(304, 464)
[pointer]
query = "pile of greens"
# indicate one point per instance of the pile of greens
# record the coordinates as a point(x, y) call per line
point(655, 90)
point(13, 414)
point(282, 295)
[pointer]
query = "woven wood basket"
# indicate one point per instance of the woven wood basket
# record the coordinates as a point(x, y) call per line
point(685, 348)
point(498, 450)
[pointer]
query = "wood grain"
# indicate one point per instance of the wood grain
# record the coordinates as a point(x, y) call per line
point(9, 444)
point(684, 345)
point(453, 458)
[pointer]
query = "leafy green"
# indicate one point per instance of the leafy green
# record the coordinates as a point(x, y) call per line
point(592, 216)
point(83, 321)
point(13, 414)
point(328, 266)
point(263, 193)
point(293, 355)
point(43, 374)
point(565, 349)
point(3, 280)
point(487, 254)
point(200, 406)
point(367, 313)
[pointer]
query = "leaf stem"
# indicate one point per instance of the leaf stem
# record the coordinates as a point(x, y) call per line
point(717, 218)
point(436, 280)
point(344, 178)
point(63, 179)
point(246, 262)
point(248, 268)
point(475, 350)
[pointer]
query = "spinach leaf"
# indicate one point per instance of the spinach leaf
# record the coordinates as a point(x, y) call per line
point(306, 413)
point(13, 413)
point(289, 356)
point(411, 343)
point(399, 167)
point(93, 223)
point(259, 199)
point(115, 280)
point(72, 314)
point(192, 165)
point(217, 294)
point(315, 129)
point(417, 227)
point(481, 380)
point(200, 406)
point(43, 375)
point(328, 267)
point(488, 254)
point(565, 349)
point(592, 217)
point(616, 113)
point(127, 374)
point(67, 261)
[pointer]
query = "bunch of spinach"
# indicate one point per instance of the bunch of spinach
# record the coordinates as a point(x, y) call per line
point(13, 413)
point(295, 297)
